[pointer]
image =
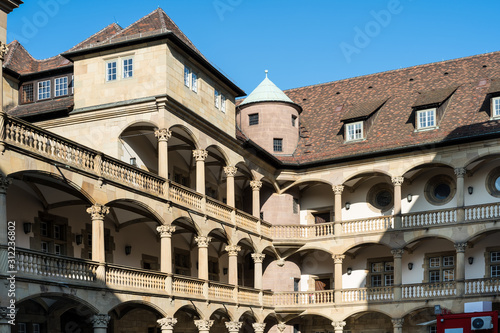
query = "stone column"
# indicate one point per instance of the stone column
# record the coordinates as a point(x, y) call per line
point(98, 212)
point(200, 155)
point(338, 326)
point(100, 322)
point(397, 182)
point(398, 273)
point(257, 259)
point(233, 326)
point(460, 267)
point(202, 242)
point(259, 327)
point(256, 185)
point(166, 232)
point(4, 184)
point(232, 252)
point(397, 323)
point(203, 325)
point(460, 173)
point(337, 228)
point(5, 317)
point(163, 135)
point(167, 324)
point(230, 172)
point(337, 276)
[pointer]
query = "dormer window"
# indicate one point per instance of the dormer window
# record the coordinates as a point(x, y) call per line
point(354, 131)
point(429, 108)
point(44, 89)
point(358, 118)
point(495, 107)
point(426, 119)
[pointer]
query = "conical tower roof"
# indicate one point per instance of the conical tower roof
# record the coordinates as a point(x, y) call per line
point(267, 91)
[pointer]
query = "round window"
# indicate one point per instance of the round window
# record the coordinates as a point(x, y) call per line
point(380, 197)
point(493, 182)
point(439, 190)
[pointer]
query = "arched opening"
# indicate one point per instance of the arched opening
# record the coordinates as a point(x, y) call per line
point(134, 317)
point(139, 146)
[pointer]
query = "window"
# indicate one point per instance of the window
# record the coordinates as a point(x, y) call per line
point(190, 79)
point(380, 197)
point(21, 328)
point(27, 93)
point(128, 68)
point(194, 82)
point(494, 263)
point(433, 329)
point(111, 70)
point(61, 86)
point(381, 273)
point(253, 119)
point(57, 249)
point(57, 231)
point(216, 98)
point(44, 246)
point(294, 120)
point(441, 268)
point(495, 107)
point(277, 145)
point(426, 118)
point(223, 103)
point(493, 182)
point(354, 131)
point(182, 262)
point(440, 189)
point(44, 229)
point(44, 89)
point(187, 76)
point(295, 205)
point(36, 328)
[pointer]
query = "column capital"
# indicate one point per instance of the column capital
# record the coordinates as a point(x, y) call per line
point(460, 172)
point(338, 325)
point(100, 320)
point(98, 211)
point(255, 185)
point(4, 183)
point(281, 327)
point(259, 327)
point(258, 257)
point(397, 181)
point(3, 50)
point(202, 241)
point(338, 258)
point(233, 326)
point(200, 154)
point(163, 134)
point(232, 250)
point(338, 189)
point(4, 314)
point(203, 325)
point(460, 246)
point(397, 253)
point(165, 230)
point(167, 323)
point(230, 170)
point(397, 322)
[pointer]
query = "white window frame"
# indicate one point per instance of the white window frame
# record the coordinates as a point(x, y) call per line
point(422, 119)
point(127, 73)
point(223, 103)
point(217, 98)
point(21, 327)
point(36, 328)
point(60, 89)
point(187, 76)
point(194, 82)
point(354, 131)
point(190, 79)
point(495, 107)
point(110, 76)
point(43, 92)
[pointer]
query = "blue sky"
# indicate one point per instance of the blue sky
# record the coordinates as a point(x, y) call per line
point(299, 42)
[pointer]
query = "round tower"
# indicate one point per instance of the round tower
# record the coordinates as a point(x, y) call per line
point(270, 118)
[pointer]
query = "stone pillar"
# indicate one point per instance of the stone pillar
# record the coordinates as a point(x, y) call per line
point(259, 327)
point(257, 259)
point(338, 326)
point(203, 242)
point(166, 232)
point(232, 252)
point(460, 173)
point(256, 185)
point(233, 326)
point(337, 228)
point(397, 323)
point(100, 322)
point(98, 212)
point(230, 172)
point(4, 184)
point(5, 317)
point(397, 182)
point(337, 276)
point(163, 135)
point(398, 273)
point(203, 325)
point(167, 324)
point(460, 268)
point(200, 155)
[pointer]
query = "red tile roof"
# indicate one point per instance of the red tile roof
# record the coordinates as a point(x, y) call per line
point(42, 107)
point(100, 36)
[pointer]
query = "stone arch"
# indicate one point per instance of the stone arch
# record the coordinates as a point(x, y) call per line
point(423, 165)
point(139, 143)
point(428, 236)
point(305, 180)
point(186, 130)
point(129, 306)
point(372, 172)
point(357, 313)
point(138, 208)
point(78, 300)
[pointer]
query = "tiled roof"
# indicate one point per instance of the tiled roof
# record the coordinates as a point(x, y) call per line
point(48, 106)
point(100, 36)
point(361, 110)
point(266, 91)
point(466, 113)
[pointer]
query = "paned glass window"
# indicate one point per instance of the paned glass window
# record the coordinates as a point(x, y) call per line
point(44, 89)
point(354, 131)
point(27, 93)
point(128, 68)
point(111, 71)
point(61, 86)
point(277, 145)
point(426, 118)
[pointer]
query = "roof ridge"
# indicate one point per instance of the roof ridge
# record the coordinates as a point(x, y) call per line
point(11, 51)
point(133, 23)
point(162, 18)
point(179, 29)
point(395, 70)
point(98, 32)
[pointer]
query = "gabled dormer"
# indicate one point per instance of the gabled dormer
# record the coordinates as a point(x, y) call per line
point(358, 119)
point(493, 98)
point(429, 108)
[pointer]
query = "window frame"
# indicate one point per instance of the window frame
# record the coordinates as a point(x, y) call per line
point(65, 90)
point(278, 145)
point(253, 119)
point(384, 274)
point(223, 101)
point(41, 82)
point(355, 136)
point(441, 267)
point(294, 120)
point(23, 93)
point(124, 70)
point(418, 124)
point(109, 77)
point(495, 107)
point(490, 264)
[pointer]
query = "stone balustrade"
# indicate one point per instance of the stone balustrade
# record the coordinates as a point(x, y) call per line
point(374, 294)
point(429, 290)
point(429, 218)
point(377, 224)
point(303, 298)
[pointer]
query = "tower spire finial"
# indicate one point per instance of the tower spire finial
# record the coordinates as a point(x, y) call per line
point(266, 71)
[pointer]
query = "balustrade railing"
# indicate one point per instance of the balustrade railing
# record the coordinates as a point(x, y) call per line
point(381, 223)
point(376, 294)
point(218, 210)
point(248, 295)
point(187, 286)
point(135, 278)
point(303, 298)
point(429, 290)
point(220, 291)
point(428, 218)
point(185, 196)
point(303, 231)
point(482, 212)
point(482, 286)
point(246, 221)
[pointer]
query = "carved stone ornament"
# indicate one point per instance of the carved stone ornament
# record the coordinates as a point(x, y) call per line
point(98, 211)
point(397, 322)
point(4, 184)
point(165, 230)
point(163, 134)
point(202, 241)
point(281, 327)
point(230, 170)
point(338, 258)
point(460, 247)
point(3, 50)
point(397, 181)
point(460, 172)
point(100, 320)
point(338, 189)
point(233, 326)
point(338, 325)
point(167, 323)
point(203, 325)
point(258, 257)
point(255, 185)
point(397, 253)
point(259, 327)
point(232, 250)
point(200, 154)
